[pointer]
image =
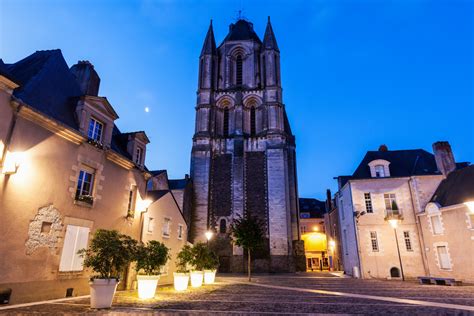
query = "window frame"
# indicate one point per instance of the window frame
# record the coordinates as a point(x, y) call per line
point(132, 201)
point(379, 171)
point(407, 239)
point(166, 233)
point(368, 203)
point(81, 181)
point(433, 226)
point(448, 258)
point(95, 130)
point(180, 231)
point(139, 156)
point(239, 70)
point(374, 241)
point(80, 235)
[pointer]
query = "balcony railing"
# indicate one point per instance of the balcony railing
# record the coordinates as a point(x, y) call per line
point(95, 143)
point(393, 214)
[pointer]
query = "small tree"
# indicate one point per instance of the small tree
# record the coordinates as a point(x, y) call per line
point(184, 259)
point(248, 233)
point(109, 253)
point(204, 258)
point(151, 257)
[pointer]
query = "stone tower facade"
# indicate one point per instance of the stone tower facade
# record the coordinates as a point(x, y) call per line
point(243, 155)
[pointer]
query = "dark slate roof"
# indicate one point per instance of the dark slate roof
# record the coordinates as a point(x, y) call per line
point(314, 207)
point(178, 184)
point(155, 195)
point(209, 46)
point(5, 72)
point(157, 172)
point(457, 188)
point(48, 85)
point(240, 31)
point(403, 163)
point(269, 40)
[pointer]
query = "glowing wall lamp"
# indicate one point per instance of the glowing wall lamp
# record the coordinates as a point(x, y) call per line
point(144, 205)
point(470, 205)
point(12, 162)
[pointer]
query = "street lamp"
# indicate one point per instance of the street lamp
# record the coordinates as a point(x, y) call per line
point(470, 205)
point(394, 223)
point(208, 236)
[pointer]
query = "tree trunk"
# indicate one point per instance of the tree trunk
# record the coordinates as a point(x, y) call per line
point(248, 264)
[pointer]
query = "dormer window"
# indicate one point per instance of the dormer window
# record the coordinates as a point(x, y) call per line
point(379, 171)
point(95, 130)
point(138, 156)
point(379, 168)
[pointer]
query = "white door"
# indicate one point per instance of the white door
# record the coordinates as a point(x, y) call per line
point(75, 239)
point(443, 257)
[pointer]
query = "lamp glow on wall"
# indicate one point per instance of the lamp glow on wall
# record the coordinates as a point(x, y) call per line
point(144, 204)
point(332, 244)
point(470, 205)
point(12, 162)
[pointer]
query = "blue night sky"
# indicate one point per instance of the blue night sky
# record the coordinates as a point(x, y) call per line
point(355, 74)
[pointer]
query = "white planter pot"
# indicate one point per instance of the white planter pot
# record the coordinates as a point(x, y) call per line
point(196, 278)
point(147, 286)
point(181, 281)
point(102, 292)
point(209, 276)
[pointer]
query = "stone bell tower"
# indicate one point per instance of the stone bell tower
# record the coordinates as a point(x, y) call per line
point(243, 156)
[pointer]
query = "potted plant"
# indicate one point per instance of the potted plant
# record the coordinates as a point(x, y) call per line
point(183, 262)
point(150, 259)
point(109, 253)
point(210, 266)
point(199, 257)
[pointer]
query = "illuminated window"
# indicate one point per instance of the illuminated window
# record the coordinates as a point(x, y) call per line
point(391, 204)
point(374, 241)
point(95, 130)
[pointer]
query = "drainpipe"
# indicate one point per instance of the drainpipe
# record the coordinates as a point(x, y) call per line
point(356, 233)
point(16, 105)
point(421, 241)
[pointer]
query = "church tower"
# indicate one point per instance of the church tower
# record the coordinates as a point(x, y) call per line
point(243, 155)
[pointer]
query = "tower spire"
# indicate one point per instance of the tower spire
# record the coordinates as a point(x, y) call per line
point(269, 40)
point(209, 46)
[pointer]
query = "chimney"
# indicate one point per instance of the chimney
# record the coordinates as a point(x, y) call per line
point(383, 147)
point(444, 157)
point(328, 200)
point(86, 77)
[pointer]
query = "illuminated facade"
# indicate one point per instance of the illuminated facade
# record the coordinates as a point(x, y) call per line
point(66, 171)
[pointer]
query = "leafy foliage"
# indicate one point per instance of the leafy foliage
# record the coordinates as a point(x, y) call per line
point(151, 257)
point(204, 258)
point(247, 232)
point(184, 259)
point(109, 253)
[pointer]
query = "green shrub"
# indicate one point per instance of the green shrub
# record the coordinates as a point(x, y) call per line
point(151, 257)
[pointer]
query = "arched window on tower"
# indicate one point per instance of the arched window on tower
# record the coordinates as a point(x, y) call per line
point(222, 226)
point(225, 129)
point(238, 70)
point(253, 128)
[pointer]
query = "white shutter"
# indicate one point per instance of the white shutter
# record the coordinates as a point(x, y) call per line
point(68, 248)
point(75, 239)
point(436, 223)
point(81, 243)
point(443, 256)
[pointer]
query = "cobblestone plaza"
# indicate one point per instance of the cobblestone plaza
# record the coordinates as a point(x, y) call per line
point(301, 294)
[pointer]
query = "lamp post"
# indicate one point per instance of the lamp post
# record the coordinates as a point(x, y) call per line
point(208, 236)
point(394, 224)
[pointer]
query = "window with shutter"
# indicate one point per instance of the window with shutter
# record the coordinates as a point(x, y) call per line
point(75, 239)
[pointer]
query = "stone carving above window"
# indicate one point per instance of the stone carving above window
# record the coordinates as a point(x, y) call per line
point(44, 230)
